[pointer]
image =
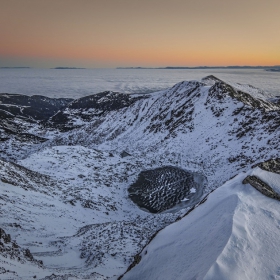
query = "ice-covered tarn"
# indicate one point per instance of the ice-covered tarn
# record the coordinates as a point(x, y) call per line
point(117, 185)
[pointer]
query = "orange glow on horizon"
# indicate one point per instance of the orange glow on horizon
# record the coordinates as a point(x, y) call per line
point(154, 33)
point(149, 59)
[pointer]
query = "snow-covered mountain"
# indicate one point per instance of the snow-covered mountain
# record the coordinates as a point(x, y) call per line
point(69, 179)
point(193, 124)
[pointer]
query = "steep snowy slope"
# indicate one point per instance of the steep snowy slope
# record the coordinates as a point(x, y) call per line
point(233, 235)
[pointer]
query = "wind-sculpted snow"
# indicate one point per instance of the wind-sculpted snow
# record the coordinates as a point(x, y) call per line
point(160, 189)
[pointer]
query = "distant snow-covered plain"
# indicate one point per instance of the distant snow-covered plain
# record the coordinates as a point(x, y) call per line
point(75, 83)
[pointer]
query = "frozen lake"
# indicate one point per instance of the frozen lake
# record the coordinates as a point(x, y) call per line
point(168, 187)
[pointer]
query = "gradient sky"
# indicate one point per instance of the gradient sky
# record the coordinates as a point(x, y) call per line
point(111, 33)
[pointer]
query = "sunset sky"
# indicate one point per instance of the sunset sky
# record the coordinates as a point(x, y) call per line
point(148, 33)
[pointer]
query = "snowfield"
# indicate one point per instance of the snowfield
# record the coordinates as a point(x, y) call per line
point(65, 175)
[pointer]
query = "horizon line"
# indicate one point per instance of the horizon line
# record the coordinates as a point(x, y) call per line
point(144, 67)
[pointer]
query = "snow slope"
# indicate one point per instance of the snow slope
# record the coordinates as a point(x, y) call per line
point(233, 235)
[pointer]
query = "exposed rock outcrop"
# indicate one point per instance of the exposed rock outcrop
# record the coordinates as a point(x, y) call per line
point(10, 249)
point(261, 187)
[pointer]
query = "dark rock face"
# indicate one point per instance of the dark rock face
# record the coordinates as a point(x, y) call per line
point(261, 187)
point(6, 237)
point(31, 107)
point(124, 154)
point(160, 189)
point(272, 165)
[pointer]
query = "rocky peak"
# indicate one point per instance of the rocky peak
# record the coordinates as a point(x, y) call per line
point(210, 80)
point(220, 91)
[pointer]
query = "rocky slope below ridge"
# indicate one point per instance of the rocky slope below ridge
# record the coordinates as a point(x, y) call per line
point(207, 126)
